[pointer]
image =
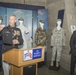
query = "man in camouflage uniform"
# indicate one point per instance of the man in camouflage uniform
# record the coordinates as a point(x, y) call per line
point(57, 41)
point(40, 36)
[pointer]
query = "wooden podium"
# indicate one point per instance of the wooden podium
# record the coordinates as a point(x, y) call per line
point(15, 58)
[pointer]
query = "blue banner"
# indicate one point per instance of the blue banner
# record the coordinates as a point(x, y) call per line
point(37, 53)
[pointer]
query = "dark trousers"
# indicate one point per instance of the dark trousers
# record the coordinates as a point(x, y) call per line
point(72, 65)
point(0, 54)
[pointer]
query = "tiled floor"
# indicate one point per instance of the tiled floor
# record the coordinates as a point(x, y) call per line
point(45, 71)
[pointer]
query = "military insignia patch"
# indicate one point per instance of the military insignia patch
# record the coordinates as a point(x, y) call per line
point(7, 32)
point(17, 32)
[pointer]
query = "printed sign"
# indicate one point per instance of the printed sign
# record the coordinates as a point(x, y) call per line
point(27, 55)
point(32, 54)
point(37, 53)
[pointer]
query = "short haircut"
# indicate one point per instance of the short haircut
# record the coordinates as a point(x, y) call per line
point(13, 15)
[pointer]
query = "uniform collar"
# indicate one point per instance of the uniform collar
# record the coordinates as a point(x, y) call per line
point(12, 27)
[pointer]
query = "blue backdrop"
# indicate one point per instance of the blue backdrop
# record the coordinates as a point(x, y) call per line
point(31, 19)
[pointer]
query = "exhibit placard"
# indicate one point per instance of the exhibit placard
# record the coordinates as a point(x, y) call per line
point(32, 54)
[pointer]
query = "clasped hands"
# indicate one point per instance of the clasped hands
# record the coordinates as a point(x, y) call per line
point(15, 42)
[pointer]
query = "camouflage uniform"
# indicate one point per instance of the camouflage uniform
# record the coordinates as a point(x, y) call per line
point(57, 41)
point(40, 40)
point(40, 37)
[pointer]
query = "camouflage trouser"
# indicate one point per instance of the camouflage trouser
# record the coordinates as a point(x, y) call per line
point(56, 52)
